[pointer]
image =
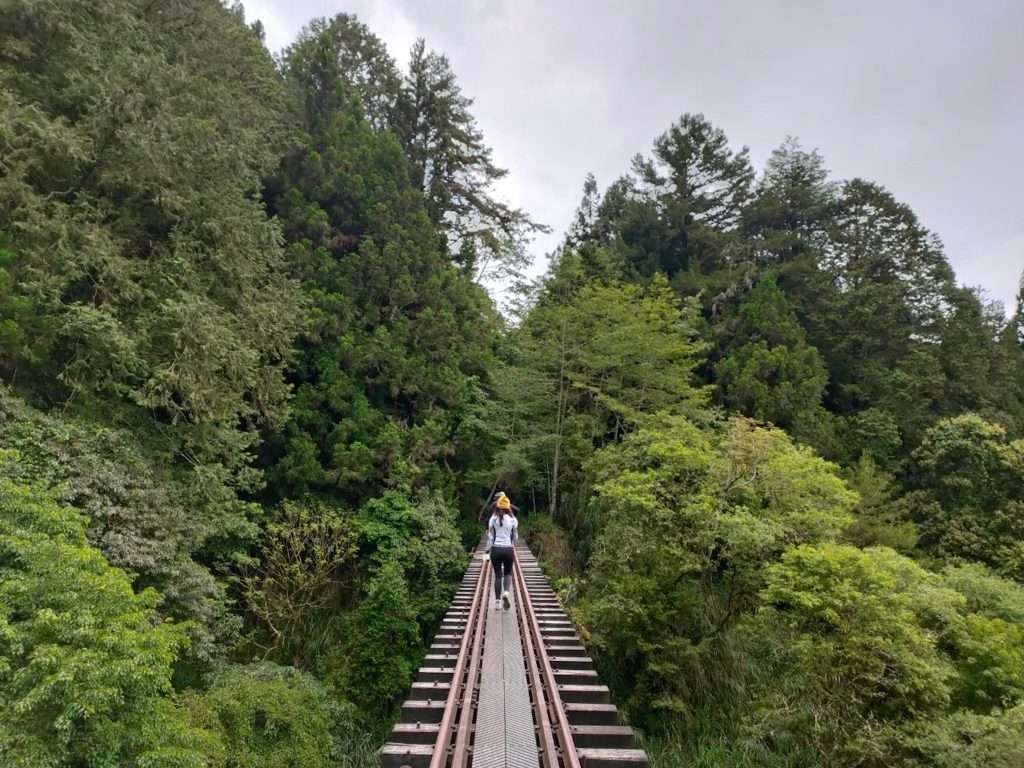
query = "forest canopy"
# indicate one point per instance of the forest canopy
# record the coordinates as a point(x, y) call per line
point(253, 395)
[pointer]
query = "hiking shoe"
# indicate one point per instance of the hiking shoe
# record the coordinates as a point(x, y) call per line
point(506, 600)
point(497, 604)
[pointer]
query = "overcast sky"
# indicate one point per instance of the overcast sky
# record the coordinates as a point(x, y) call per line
point(924, 96)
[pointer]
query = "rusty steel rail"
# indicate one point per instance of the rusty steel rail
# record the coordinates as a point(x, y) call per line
point(529, 677)
point(461, 692)
point(545, 737)
point(461, 754)
point(551, 710)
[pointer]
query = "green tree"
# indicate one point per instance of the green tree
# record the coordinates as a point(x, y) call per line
point(168, 527)
point(874, 433)
point(85, 666)
point(680, 211)
point(981, 370)
point(991, 662)
point(385, 648)
point(882, 517)
point(880, 313)
point(583, 227)
point(965, 739)
point(603, 359)
point(989, 645)
point(451, 163)
point(19, 321)
point(305, 563)
point(987, 593)
point(130, 205)
point(849, 636)
point(420, 537)
point(398, 339)
point(969, 501)
point(769, 371)
point(688, 522)
point(265, 716)
point(786, 225)
point(868, 659)
point(333, 61)
point(793, 202)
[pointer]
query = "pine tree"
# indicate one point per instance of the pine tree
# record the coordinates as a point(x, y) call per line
point(333, 61)
point(678, 212)
point(1009, 362)
point(880, 318)
point(588, 238)
point(978, 369)
point(584, 221)
point(793, 200)
point(694, 166)
point(451, 163)
point(769, 371)
point(397, 337)
point(786, 225)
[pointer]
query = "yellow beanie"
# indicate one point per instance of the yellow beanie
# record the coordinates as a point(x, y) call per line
point(504, 503)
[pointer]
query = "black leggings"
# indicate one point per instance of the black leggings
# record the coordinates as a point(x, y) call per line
point(502, 556)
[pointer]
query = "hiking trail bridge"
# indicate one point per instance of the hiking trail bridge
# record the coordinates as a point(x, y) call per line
point(509, 688)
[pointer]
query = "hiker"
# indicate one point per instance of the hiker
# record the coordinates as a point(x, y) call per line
point(501, 540)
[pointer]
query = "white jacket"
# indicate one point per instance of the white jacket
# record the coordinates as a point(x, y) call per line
point(502, 533)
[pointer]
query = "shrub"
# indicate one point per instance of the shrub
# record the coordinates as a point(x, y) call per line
point(85, 665)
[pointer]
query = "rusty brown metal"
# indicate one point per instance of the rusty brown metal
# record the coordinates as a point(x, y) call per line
point(548, 750)
point(439, 757)
point(461, 752)
point(569, 758)
point(538, 654)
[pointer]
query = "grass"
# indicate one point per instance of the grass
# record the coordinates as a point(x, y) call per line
point(706, 746)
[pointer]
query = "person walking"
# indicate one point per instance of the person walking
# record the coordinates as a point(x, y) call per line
point(501, 541)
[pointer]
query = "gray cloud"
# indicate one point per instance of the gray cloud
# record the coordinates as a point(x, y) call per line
point(923, 96)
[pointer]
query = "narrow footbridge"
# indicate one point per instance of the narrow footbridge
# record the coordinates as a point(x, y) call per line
point(509, 688)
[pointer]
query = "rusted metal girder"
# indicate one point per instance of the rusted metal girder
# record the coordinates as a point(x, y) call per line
point(548, 750)
point(439, 758)
point(569, 758)
point(461, 753)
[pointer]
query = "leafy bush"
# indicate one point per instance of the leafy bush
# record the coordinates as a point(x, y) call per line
point(307, 559)
point(970, 502)
point(422, 538)
point(881, 517)
point(85, 665)
point(988, 645)
point(161, 526)
point(688, 520)
point(266, 716)
point(385, 644)
point(860, 652)
point(964, 740)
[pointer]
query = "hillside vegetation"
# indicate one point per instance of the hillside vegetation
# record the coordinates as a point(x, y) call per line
point(253, 395)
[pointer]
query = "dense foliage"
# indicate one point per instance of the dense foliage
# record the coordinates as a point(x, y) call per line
point(251, 391)
point(244, 360)
point(762, 598)
point(85, 666)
